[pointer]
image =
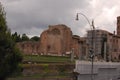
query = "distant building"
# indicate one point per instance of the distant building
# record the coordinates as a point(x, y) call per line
point(97, 40)
point(105, 44)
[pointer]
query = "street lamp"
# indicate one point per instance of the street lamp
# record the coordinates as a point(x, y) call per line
point(91, 50)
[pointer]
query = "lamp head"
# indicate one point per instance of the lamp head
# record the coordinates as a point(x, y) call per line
point(77, 17)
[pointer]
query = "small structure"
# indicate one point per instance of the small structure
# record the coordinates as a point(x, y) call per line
point(101, 70)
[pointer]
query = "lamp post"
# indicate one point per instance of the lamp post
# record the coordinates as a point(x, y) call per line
point(91, 50)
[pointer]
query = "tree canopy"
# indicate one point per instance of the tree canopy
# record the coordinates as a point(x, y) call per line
point(25, 37)
point(21, 38)
point(35, 38)
point(16, 37)
point(10, 56)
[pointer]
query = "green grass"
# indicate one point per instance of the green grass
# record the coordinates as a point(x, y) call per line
point(47, 59)
point(44, 75)
point(43, 61)
point(39, 76)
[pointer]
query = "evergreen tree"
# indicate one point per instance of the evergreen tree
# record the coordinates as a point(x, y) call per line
point(10, 56)
point(25, 37)
point(16, 37)
point(35, 38)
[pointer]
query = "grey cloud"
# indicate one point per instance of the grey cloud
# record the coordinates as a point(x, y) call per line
point(22, 15)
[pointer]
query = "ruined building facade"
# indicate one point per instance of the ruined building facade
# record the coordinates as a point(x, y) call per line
point(57, 40)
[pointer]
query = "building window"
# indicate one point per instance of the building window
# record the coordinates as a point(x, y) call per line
point(48, 47)
point(23, 46)
point(118, 21)
point(118, 27)
point(119, 57)
point(115, 50)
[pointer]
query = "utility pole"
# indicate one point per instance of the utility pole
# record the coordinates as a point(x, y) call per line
point(92, 41)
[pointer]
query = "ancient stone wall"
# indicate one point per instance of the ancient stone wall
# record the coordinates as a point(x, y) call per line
point(56, 40)
point(29, 47)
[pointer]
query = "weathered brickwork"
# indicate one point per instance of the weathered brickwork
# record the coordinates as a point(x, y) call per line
point(57, 40)
point(29, 47)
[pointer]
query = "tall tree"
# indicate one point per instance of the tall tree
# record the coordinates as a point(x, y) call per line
point(10, 56)
point(25, 37)
point(35, 38)
point(16, 37)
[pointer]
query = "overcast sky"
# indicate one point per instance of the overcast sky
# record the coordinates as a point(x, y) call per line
point(34, 16)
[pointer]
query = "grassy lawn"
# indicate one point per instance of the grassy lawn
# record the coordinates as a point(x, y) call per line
point(64, 75)
point(46, 70)
point(38, 77)
point(47, 59)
